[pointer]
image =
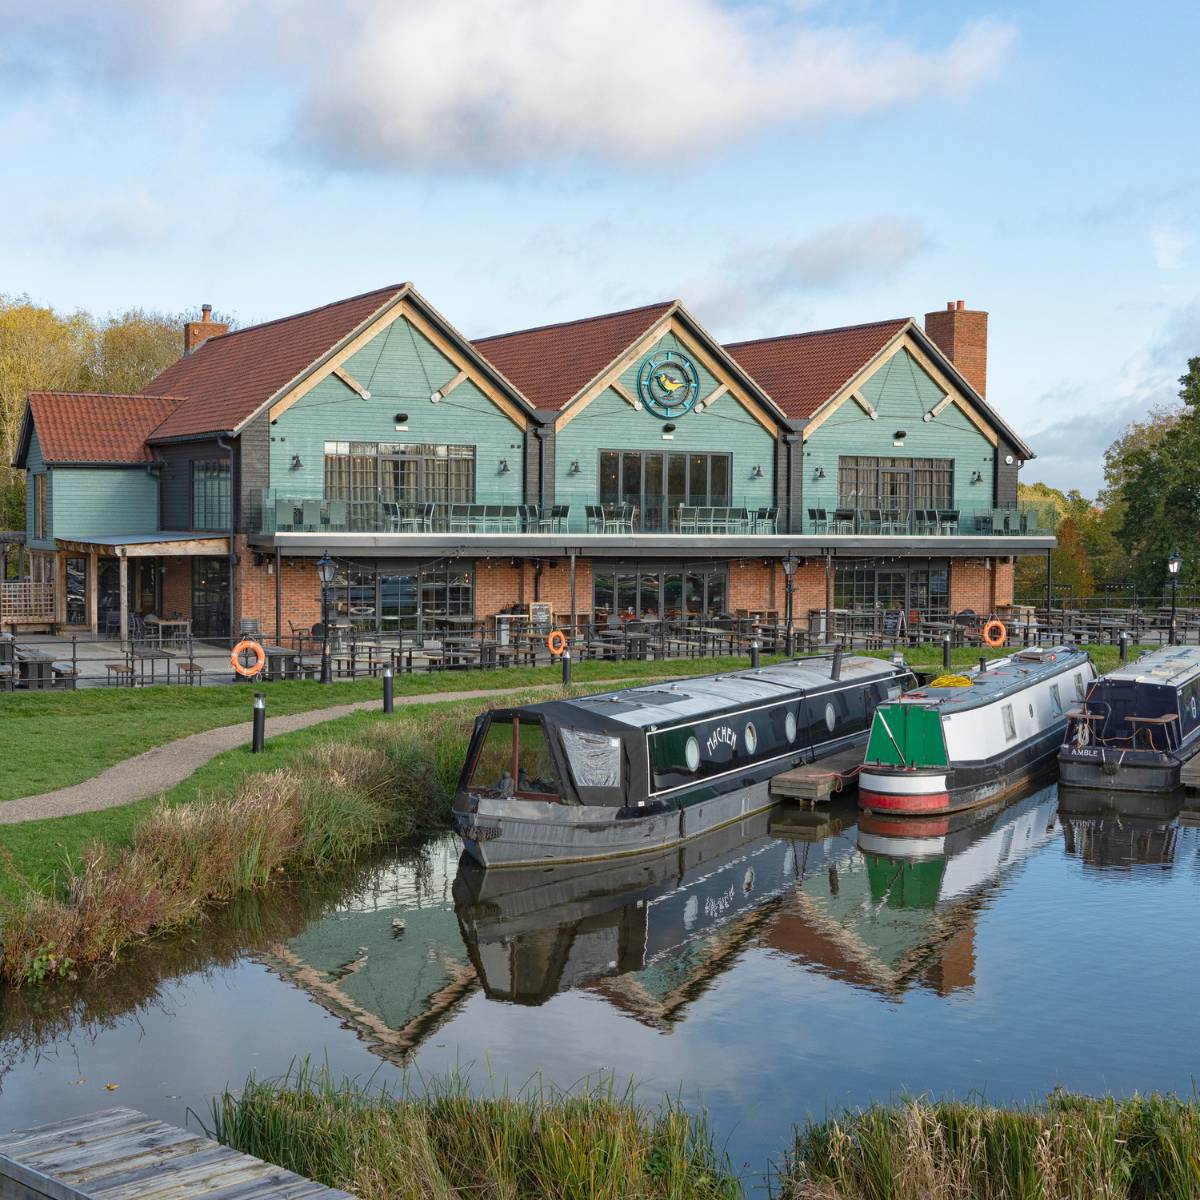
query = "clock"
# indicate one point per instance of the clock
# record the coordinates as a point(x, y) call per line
point(668, 384)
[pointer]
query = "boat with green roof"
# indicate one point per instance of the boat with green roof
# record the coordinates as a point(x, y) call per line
point(966, 740)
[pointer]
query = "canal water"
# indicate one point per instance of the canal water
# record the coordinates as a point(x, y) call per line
point(790, 965)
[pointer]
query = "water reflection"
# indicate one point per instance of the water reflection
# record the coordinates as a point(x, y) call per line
point(1121, 830)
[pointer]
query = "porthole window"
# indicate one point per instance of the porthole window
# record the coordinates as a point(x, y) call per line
point(789, 726)
point(830, 716)
point(751, 737)
point(691, 754)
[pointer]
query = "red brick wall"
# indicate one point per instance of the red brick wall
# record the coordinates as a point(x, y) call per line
point(177, 586)
point(971, 586)
point(1005, 571)
point(961, 335)
point(300, 596)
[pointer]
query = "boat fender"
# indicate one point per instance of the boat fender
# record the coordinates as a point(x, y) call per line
point(994, 633)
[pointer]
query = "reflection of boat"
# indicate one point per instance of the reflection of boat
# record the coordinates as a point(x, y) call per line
point(533, 932)
point(1137, 726)
point(1120, 829)
point(387, 960)
point(646, 768)
point(962, 741)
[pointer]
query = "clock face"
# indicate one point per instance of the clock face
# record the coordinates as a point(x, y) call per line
point(668, 384)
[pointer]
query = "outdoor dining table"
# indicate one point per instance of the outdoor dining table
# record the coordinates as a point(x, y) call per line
point(283, 662)
point(153, 658)
point(180, 629)
point(34, 670)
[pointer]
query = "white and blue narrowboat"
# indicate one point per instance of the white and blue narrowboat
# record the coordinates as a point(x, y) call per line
point(965, 740)
point(646, 768)
point(1136, 726)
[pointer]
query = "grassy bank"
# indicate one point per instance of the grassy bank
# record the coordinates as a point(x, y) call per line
point(594, 1144)
point(1143, 1148)
point(79, 890)
point(589, 1145)
point(53, 739)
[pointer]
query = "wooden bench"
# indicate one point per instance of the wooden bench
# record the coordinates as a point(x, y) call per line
point(189, 672)
point(119, 673)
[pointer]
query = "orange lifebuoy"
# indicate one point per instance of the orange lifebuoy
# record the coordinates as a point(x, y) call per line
point(999, 637)
point(556, 643)
point(235, 658)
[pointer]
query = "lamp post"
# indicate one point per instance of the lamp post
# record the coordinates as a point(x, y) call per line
point(789, 570)
point(326, 570)
point(1173, 565)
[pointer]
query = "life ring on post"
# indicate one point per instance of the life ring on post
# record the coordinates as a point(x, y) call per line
point(235, 658)
point(994, 633)
point(556, 643)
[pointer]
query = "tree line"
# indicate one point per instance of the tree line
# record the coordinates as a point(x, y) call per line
point(76, 352)
point(1119, 543)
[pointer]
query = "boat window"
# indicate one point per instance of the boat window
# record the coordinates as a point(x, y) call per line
point(751, 737)
point(595, 758)
point(1010, 724)
point(514, 760)
point(1078, 685)
point(1055, 700)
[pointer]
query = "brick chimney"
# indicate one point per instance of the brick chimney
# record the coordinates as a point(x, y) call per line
point(961, 335)
point(195, 333)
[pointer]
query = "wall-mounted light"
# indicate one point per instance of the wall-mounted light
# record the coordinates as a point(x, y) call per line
point(669, 427)
point(819, 473)
point(900, 434)
point(503, 467)
point(435, 397)
point(296, 463)
point(757, 472)
point(402, 418)
point(574, 468)
point(976, 477)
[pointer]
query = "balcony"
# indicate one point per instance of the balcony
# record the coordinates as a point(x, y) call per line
point(308, 514)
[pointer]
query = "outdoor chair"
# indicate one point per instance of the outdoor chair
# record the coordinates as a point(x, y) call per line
point(893, 521)
point(948, 521)
point(112, 623)
point(1029, 521)
point(285, 516)
point(310, 515)
point(189, 672)
point(843, 520)
point(595, 518)
point(818, 520)
point(872, 521)
point(766, 520)
point(687, 519)
point(339, 515)
point(925, 521)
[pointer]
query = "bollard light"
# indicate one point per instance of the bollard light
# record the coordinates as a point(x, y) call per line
point(259, 728)
point(389, 695)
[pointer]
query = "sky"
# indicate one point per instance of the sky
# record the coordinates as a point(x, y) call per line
point(779, 165)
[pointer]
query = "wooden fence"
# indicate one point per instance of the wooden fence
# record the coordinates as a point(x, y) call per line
point(25, 603)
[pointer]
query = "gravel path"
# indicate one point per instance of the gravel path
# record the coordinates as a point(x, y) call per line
point(157, 770)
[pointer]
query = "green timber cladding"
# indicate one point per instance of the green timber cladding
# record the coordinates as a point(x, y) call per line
point(609, 423)
point(401, 369)
point(86, 502)
point(901, 394)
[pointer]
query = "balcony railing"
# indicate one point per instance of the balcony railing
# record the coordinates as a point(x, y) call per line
point(307, 514)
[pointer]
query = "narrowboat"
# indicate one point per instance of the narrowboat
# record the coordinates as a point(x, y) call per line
point(1136, 726)
point(966, 740)
point(647, 768)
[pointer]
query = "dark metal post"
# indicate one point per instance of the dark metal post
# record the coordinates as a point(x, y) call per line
point(260, 723)
point(789, 569)
point(388, 689)
point(945, 652)
point(835, 671)
point(1124, 640)
point(982, 664)
point(754, 654)
point(566, 668)
point(1174, 595)
point(1049, 593)
point(326, 665)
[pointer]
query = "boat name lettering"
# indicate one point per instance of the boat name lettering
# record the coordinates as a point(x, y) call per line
point(722, 735)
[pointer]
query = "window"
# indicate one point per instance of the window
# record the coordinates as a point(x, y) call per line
point(657, 482)
point(595, 758)
point(39, 506)
point(515, 752)
point(1078, 685)
point(210, 494)
point(400, 472)
point(922, 589)
point(651, 592)
point(1055, 701)
point(1010, 724)
point(903, 483)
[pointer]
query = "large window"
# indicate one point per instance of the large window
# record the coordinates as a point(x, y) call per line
point(651, 593)
point(392, 597)
point(923, 589)
point(39, 506)
point(895, 483)
point(210, 495)
point(656, 482)
point(404, 472)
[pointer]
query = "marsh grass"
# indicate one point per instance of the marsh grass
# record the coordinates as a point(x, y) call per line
point(393, 780)
point(1070, 1148)
point(590, 1144)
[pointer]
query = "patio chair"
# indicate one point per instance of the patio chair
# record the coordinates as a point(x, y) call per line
point(766, 520)
point(925, 521)
point(843, 520)
point(459, 518)
point(391, 515)
point(112, 623)
point(893, 521)
point(872, 521)
point(948, 521)
point(818, 520)
point(285, 516)
point(310, 515)
point(1029, 521)
point(687, 519)
point(595, 518)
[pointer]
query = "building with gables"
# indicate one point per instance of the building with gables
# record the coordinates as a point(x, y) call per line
point(623, 464)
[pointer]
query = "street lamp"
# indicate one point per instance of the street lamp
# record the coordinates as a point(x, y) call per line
point(789, 570)
point(326, 570)
point(1173, 565)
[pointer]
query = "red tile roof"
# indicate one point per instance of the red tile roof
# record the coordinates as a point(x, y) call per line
point(84, 427)
point(552, 363)
point(227, 378)
point(800, 371)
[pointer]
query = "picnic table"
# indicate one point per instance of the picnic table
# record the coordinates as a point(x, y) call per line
point(34, 669)
point(151, 657)
point(283, 662)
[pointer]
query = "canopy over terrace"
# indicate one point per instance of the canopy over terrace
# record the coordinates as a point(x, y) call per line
point(137, 546)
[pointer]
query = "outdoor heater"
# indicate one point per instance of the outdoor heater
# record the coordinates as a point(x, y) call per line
point(326, 570)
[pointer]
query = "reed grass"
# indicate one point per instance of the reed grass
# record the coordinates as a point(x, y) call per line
point(590, 1144)
point(1069, 1148)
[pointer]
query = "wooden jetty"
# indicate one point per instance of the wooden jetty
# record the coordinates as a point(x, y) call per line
point(122, 1154)
point(820, 780)
point(1189, 775)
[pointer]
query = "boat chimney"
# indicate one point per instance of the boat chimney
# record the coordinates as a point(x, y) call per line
point(835, 671)
point(982, 666)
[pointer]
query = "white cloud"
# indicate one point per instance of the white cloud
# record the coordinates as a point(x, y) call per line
point(518, 81)
point(119, 221)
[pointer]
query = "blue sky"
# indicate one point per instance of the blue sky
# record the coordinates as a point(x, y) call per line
point(779, 165)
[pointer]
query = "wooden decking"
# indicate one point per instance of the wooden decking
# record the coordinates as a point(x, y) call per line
point(819, 780)
point(122, 1154)
point(1189, 775)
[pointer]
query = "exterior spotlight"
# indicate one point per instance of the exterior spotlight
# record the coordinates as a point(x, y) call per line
point(402, 418)
point(503, 467)
point(757, 472)
point(574, 468)
point(669, 427)
point(296, 463)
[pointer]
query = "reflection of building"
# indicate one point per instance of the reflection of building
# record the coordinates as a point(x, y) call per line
point(387, 960)
point(1120, 831)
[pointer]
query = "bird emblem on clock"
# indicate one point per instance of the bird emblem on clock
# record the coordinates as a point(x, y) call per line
point(668, 384)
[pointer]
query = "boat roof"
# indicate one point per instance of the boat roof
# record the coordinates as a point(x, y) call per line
point(1169, 666)
point(707, 695)
point(1003, 677)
